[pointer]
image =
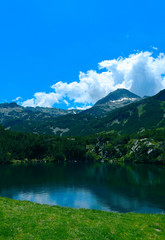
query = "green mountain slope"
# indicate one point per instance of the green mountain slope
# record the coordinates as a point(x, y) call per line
point(143, 114)
point(42, 120)
point(12, 114)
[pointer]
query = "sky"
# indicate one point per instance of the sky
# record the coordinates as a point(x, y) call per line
point(71, 53)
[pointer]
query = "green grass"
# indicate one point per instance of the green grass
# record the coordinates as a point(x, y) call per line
point(26, 220)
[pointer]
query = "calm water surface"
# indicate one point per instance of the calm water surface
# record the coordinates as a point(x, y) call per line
point(127, 188)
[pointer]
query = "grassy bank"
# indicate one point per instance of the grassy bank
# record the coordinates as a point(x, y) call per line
point(26, 220)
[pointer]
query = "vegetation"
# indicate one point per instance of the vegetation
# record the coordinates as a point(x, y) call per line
point(146, 147)
point(118, 142)
point(145, 114)
point(26, 220)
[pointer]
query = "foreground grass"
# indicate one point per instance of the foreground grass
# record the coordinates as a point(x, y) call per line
point(26, 220)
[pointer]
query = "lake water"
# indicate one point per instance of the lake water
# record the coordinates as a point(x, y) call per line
point(118, 188)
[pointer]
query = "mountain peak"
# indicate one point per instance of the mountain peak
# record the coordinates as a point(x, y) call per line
point(118, 94)
point(9, 105)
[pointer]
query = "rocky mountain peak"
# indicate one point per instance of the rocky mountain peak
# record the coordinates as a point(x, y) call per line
point(119, 94)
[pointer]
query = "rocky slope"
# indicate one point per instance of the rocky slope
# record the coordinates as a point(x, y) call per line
point(13, 112)
point(117, 99)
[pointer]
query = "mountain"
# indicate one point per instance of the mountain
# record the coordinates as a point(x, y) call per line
point(12, 113)
point(148, 113)
point(119, 98)
point(42, 120)
point(143, 114)
point(120, 94)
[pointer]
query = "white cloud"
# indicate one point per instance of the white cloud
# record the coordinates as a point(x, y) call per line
point(155, 48)
point(91, 87)
point(140, 72)
point(80, 108)
point(29, 103)
point(17, 99)
point(84, 107)
point(43, 99)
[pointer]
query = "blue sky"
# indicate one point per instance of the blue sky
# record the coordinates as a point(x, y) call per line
point(44, 45)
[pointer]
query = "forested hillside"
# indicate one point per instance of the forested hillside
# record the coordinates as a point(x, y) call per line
point(145, 147)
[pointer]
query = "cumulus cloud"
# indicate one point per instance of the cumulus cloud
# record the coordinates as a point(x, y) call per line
point(90, 87)
point(140, 73)
point(42, 99)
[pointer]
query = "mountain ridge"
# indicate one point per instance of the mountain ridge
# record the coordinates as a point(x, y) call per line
point(146, 113)
point(11, 111)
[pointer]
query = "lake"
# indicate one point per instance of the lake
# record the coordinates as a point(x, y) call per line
point(118, 188)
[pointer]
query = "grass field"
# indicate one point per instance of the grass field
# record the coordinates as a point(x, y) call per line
point(26, 220)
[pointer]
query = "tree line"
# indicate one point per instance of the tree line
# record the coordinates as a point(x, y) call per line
point(146, 146)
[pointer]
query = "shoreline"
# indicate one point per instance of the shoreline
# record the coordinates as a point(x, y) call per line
point(107, 161)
